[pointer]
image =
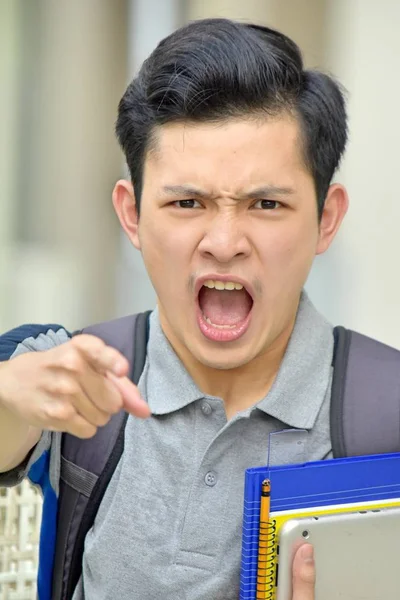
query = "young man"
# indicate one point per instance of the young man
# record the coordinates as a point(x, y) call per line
point(231, 147)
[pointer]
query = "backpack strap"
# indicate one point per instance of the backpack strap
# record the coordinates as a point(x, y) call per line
point(365, 400)
point(87, 465)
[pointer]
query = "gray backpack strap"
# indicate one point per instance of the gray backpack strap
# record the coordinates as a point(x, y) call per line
point(365, 402)
point(88, 465)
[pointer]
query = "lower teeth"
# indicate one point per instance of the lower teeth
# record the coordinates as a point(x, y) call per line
point(218, 326)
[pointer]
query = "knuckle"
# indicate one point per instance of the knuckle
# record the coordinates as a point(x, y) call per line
point(72, 361)
point(112, 355)
point(66, 412)
point(56, 411)
point(87, 342)
point(64, 386)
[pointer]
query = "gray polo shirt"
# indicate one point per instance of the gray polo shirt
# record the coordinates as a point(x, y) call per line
point(169, 525)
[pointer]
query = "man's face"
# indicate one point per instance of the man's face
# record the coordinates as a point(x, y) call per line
point(227, 205)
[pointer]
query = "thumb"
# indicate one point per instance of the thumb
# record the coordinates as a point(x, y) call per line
point(133, 402)
point(304, 573)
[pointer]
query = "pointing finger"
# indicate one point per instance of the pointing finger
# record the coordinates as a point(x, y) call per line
point(133, 402)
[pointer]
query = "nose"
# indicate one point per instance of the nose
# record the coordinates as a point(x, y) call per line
point(225, 240)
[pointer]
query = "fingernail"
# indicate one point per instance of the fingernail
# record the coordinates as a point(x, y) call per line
point(307, 553)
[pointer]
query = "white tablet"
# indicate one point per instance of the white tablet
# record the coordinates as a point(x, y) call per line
point(357, 555)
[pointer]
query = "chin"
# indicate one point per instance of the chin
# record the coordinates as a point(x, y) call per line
point(223, 363)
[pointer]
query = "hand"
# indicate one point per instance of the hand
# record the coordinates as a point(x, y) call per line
point(303, 573)
point(75, 387)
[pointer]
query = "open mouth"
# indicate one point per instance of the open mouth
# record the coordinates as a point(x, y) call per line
point(224, 310)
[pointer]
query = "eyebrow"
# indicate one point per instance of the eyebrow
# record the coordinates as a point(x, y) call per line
point(262, 192)
point(184, 190)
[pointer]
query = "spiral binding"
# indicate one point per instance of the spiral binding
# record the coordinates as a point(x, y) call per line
point(266, 560)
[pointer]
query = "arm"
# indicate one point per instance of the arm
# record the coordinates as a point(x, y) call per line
point(70, 385)
point(17, 439)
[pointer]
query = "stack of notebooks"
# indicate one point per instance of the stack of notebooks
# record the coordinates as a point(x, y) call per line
point(315, 488)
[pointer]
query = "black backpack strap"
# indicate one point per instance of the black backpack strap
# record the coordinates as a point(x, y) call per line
point(87, 466)
point(365, 400)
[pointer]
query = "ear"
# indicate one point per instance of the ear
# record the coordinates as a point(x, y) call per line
point(123, 198)
point(335, 208)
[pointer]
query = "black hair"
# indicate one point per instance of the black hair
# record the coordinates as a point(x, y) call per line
point(216, 69)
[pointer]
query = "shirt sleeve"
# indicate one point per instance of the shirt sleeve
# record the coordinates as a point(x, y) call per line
point(34, 338)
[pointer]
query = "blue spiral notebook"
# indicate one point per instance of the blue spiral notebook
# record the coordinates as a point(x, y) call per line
point(365, 479)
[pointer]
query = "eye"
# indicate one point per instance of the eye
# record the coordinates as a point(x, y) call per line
point(267, 204)
point(187, 204)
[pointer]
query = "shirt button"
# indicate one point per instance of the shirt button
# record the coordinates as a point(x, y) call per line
point(210, 478)
point(206, 409)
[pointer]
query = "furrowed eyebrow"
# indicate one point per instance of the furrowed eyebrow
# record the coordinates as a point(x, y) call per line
point(184, 190)
point(267, 191)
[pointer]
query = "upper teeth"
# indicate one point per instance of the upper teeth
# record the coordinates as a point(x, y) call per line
point(222, 285)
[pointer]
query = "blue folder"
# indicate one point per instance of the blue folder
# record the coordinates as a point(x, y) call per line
point(321, 483)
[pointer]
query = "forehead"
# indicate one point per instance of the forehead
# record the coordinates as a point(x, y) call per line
point(239, 152)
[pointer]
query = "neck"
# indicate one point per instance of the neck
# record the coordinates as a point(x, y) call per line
point(240, 387)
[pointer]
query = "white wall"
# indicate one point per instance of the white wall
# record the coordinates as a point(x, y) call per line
point(63, 66)
point(357, 282)
point(134, 290)
point(9, 61)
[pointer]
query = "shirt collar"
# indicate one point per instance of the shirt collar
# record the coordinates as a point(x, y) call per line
point(166, 384)
point(304, 376)
point(296, 395)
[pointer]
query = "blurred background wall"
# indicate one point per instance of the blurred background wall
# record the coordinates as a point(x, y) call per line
point(63, 70)
point(64, 66)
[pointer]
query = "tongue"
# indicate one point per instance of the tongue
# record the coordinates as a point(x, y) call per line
point(225, 307)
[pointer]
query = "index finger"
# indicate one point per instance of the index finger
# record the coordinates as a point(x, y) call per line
point(304, 573)
point(133, 402)
point(102, 358)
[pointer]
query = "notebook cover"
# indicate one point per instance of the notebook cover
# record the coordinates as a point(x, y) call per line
point(363, 479)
